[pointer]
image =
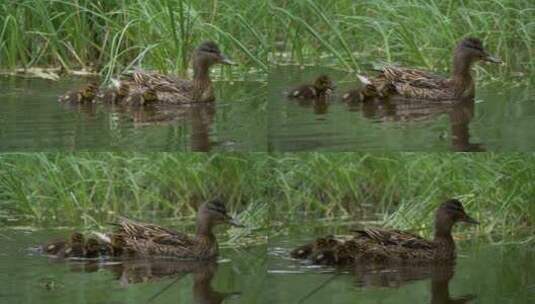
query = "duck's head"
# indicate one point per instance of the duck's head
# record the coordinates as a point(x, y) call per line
point(471, 50)
point(449, 213)
point(214, 212)
point(208, 54)
point(324, 84)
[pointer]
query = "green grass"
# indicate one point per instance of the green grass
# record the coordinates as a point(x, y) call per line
point(111, 36)
point(413, 32)
point(114, 35)
point(399, 189)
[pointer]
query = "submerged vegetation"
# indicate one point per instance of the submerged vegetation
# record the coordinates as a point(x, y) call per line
point(111, 36)
point(399, 189)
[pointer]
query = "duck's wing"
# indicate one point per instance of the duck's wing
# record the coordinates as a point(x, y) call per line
point(394, 238)
point(130, 229)
point(161, 82)
point(415, 77)
point(417, 84)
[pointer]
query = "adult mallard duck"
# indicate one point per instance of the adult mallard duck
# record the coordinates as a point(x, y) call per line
point(390, 246)
point(322, 86)
point(174, 90)
point(418, 84)
point(137, 239)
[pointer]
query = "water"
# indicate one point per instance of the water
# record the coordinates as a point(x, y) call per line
point(483, 273)
point(237, 277)
point(500, 119)
point(31, 119)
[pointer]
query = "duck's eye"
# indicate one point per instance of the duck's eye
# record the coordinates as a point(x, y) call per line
point(211, 50)
point(475, 47)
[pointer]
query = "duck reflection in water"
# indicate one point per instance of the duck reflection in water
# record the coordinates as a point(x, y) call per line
point(319, 105)
point(199, 118)
point(395, 277)
point(439, 275)
point(137, 271)
point(460, 115)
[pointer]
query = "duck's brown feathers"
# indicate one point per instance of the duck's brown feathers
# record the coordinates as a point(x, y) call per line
point(415, 84)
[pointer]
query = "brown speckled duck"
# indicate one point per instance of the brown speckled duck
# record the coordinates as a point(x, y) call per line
point(322, 86)
point(390, 246)
point(137, 239)
point(174, 90)
point(419, 84)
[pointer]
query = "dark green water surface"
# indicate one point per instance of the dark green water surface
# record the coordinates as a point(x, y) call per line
point(31, 119)
point(500, 118)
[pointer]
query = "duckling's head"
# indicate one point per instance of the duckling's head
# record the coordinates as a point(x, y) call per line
point(76, 237)
point(208, 54)
point(149, 95)
point(90, 90)
point(449, 213)
point(214, 212)
point(324, 84)
point(470, 50)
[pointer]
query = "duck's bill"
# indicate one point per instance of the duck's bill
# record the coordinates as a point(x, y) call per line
point(234, 222)
point(493, 59)
point(225, 60)
point(468, 219)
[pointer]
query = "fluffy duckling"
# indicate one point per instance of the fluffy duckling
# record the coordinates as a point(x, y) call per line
point(84, 95)
point(322, 86)
point(141, 96)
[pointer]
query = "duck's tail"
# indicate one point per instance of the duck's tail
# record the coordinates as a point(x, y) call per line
point(102, 237)
point(364, 80)
point(116, 83)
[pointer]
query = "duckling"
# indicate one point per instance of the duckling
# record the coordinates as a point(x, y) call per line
point(84, 95)
point(141, 96)
point(74, 246)
point(369, 90)
point(173, 90)
point(418, 84)
point(390, 246)
point(322, 86)
point(93, 248)
point(116, 93)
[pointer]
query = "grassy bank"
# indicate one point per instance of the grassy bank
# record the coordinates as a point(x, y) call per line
point(404, 189)
point(400, 189)
point(113, 35)
point(93, 188)
point(414, 32)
